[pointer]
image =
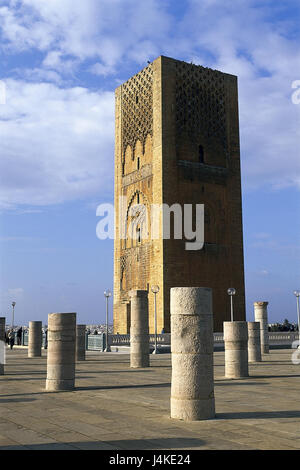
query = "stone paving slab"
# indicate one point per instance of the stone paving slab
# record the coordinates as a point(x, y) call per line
point(116, 408)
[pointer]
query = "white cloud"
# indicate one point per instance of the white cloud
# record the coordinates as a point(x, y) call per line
point(38, 75)
point(84, 29)
point(101, 70)
point(57, 144)
point(249, 40)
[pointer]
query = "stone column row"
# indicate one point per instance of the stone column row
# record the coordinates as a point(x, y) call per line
point(261, 316)
point(61, 351)
point(192, 389)
point(242, 345)
point(35, 339)
point(236, 349)
point(139, 329)
point(254, 347)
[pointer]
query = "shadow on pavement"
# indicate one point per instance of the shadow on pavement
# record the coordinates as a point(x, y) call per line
point(260, 414)
point(126, 444)
point(113, 387)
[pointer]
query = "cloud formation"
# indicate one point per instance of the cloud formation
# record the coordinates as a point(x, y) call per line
point(57, 138)
point(57, 144)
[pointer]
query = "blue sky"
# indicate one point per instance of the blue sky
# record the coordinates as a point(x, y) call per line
point(60, 61)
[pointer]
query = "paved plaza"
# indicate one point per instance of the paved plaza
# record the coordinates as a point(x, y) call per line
point(118, 408)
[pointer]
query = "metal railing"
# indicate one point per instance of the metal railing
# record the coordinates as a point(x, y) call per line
point(97, 342)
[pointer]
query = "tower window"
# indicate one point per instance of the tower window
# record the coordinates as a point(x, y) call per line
point(201, 154)
point(138, 163)
point(138, 198)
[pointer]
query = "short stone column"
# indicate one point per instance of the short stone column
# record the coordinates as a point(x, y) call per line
point(139, 329)
point(254, 352)
point(2, 344)
point(80, 342)
point(35, 339)
point(236, 349)
point(192, 387)
point(61, 351)
point(261, 315)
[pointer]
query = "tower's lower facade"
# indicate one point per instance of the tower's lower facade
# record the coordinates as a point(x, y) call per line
point(177, 143)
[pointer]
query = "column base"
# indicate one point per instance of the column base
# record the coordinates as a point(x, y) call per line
point(193, 410)
point(59, 385)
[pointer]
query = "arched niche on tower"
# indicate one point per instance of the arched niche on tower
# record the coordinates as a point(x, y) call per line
point(147, 157)
point(137, 221)
point(128, 164)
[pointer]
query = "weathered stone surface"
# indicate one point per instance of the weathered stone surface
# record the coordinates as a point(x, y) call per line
point(164, 116)
point(192, 388)
point(261, 316)
point(254, 351)
point(61, 351)
point(2, 344)
point(80, 342)
point(139, 329)
point(35, 339)
point(236, 349)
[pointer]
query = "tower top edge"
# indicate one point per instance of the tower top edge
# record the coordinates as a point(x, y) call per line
point(165, 59)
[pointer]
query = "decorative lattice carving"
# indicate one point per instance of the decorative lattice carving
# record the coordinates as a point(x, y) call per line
point(137, 108)
point(200, 103)
point(123, 263)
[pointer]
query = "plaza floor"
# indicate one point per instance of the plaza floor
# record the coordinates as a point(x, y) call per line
point(118, 408)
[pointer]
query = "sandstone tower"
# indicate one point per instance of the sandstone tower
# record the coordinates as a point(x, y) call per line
point(177, 142)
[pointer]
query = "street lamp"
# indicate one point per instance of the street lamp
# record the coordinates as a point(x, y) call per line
point(297, 294)
point(231, 291)
point(155, 290)
point(107, 295)
point(13, 314)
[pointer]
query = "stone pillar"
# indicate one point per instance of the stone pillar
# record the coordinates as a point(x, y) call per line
point(254, 352)
point(139, 329)
point(35, 339)
point(2, 344)
point(192, 343)
point(261, 315)
point(61, 351)
point(80, 342)
point(236, 349)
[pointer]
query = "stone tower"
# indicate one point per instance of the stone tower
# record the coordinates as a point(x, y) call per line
point(177, 142)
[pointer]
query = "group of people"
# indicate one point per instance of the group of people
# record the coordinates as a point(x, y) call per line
point(10, 337)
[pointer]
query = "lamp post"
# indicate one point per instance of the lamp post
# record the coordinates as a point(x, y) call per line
point(231, 292)
point(297, 294)
point(155, 290)
point(13, 314)
point(107, 295)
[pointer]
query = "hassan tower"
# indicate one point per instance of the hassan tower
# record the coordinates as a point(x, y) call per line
point(177, 143)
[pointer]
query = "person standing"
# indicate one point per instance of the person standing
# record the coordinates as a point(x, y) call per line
point(11, 337)
point(19, 336)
